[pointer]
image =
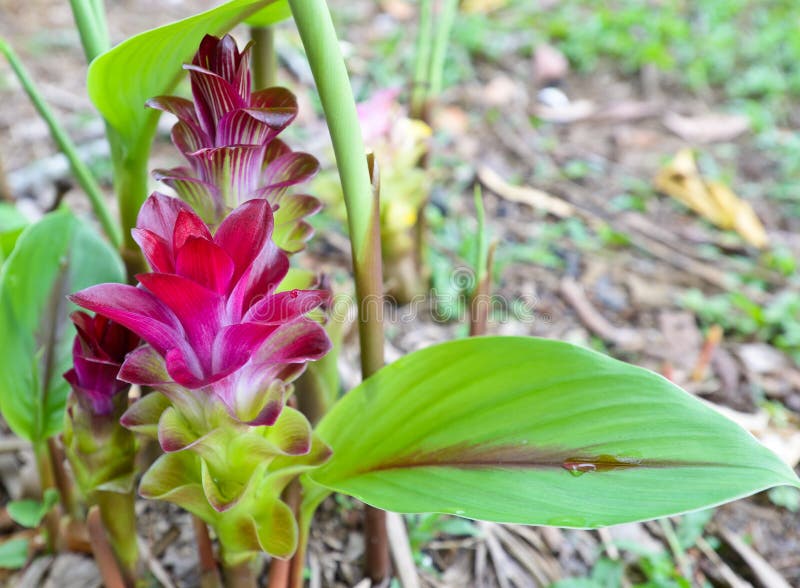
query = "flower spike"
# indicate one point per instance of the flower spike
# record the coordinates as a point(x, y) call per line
point(228, 136)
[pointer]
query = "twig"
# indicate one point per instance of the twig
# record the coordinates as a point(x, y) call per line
point(527, 556)
point(766, 574)
point(713, 339)
point(724, 569)
point(507, 570)
point(628, 339)
point(401, 551)
point(608, 543)
point(158, 571)
point(674, 545)
point(537, 199)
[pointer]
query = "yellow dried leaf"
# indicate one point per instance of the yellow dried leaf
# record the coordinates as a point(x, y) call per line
point(712, 200)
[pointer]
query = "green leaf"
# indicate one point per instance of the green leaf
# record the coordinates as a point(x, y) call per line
point(12, 222)
point(29, 513)
point(54, 257)
point(271, 14)
point(13, 554)
point(533, 431)
point(149, 64)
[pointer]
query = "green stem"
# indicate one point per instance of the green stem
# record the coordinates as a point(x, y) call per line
point(90, 19)
point(264, 57)
point(79, 168)
point(317, 32)
point(119, 520)
point(421, 81)
point(130, 186)
point(443, 27)
point(47, 480)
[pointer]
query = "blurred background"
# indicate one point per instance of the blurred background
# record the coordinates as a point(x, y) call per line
point(640, 167)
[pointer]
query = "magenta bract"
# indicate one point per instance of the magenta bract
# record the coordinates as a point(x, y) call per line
point(98, 352)
point(228, 137)
point(209, 309)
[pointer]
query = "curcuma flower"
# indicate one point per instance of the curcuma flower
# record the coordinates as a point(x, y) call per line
point(98, 352)
point(100, 451)
point(228, 137)
point(210, 311)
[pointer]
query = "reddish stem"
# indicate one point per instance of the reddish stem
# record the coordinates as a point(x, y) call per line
point(279, 571)
point(103, 554)
point(209, 573)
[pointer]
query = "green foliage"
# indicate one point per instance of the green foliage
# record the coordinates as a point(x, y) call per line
point(606, 573)
point(37, 335)
point(29, 513)
point(12, 224)
point(270, 15)
point(777, 322)
point(525, 430)
point(785, 496)
point(13, 553)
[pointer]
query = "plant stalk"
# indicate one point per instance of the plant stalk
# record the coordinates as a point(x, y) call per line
point(62, 480)
point(317, 32)
point(110, 571)
point(130, 186)
point(209, 572)
point(90, 20)
point(241, 575)
point(119, 520)
point(421, 82)
point(444, 26)
point(79, 169)
point(46, 480)
point(264, 57)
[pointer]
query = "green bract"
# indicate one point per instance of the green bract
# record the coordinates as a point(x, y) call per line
point(34, 328)
point(534, 431)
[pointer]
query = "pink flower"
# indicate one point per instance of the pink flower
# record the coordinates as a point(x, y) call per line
point(98, 352)
point(209, 309)
point(228, 137)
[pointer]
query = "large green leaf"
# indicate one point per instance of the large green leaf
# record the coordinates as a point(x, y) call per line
point(149, 64)
point(525, 430)
point(271, 15)
point(12, 222)
point(52, 258)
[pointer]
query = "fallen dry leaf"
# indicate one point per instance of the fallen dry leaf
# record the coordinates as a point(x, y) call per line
point(711, 199)
point(707, 128)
